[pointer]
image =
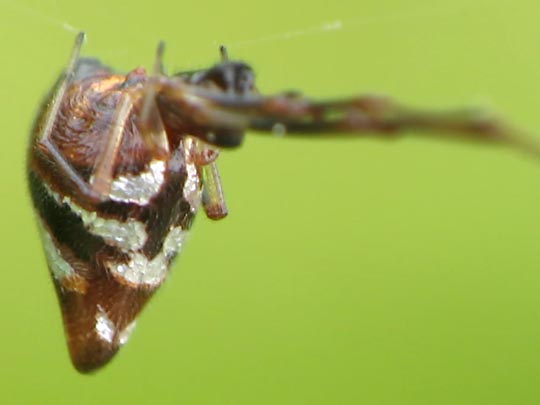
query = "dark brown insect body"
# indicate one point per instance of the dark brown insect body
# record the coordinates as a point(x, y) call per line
point(119, 164)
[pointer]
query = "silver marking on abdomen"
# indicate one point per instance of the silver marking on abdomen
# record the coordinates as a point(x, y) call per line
point(139, 270)
point(128, 236)
point(139, 188)
point(192, 186)
point(105, 328)
point(60, 268)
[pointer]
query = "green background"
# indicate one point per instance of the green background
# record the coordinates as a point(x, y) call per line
point(348, 272)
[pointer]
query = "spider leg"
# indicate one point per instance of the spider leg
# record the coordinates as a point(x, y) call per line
point(101, 178)
point(213, 198)
point(374, 114)
point(223, 53)
point(150, 92)
point(150, 123)
point(49, 149)
point(63, 83)
point(294, 115)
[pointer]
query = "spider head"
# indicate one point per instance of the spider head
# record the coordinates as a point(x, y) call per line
point(233, 78)
point(229, 76)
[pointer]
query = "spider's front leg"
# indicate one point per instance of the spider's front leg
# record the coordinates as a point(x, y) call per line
point(223, 114)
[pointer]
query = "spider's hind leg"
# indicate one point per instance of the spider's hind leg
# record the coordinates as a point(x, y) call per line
point(43, 138)
point(62, 85)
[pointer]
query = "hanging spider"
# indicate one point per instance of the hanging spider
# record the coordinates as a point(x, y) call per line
point(118, 165)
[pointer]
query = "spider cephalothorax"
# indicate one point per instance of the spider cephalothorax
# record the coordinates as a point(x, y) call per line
point(231, 77)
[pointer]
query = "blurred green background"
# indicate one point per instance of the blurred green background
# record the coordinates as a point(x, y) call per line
point(348, 272)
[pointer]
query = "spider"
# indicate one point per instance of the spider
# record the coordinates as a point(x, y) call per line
point(118, 165)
